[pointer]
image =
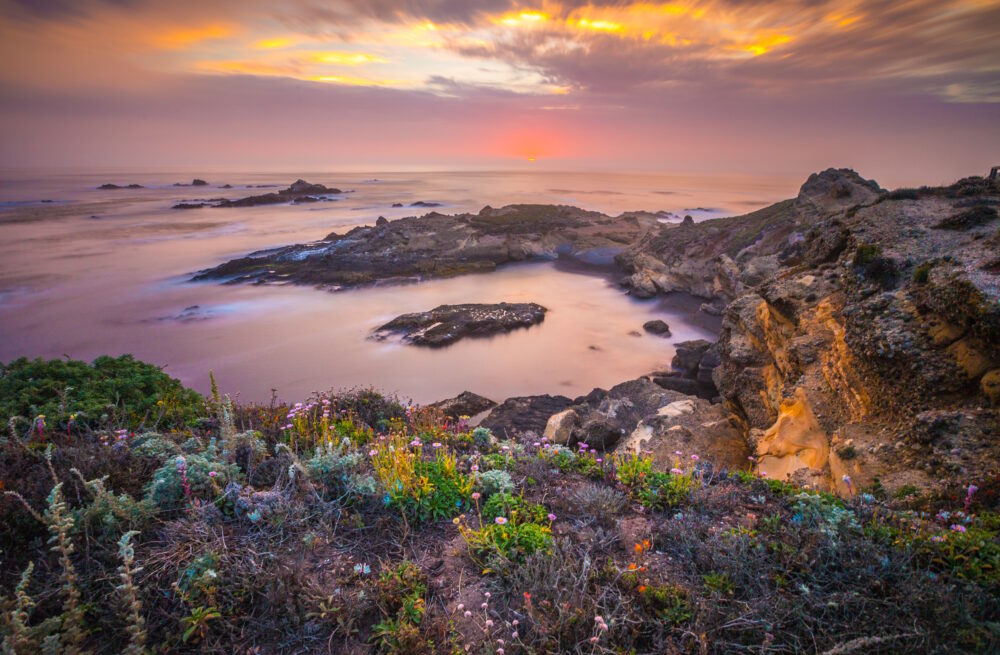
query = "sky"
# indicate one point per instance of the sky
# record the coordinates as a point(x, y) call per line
point(901, 90)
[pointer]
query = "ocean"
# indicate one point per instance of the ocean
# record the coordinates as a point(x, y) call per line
point(86, 272)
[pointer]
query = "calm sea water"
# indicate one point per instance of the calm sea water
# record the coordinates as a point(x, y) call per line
point(85, 272)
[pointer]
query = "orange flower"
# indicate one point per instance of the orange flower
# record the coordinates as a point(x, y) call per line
point(646, 544)
point(638, 548)
point(631, 567)
point(642, 589)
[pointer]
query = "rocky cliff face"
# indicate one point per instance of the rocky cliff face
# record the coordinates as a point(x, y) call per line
point(873, 350)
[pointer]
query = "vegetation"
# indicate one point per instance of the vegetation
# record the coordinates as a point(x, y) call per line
point(113, 391)
point(353, 523)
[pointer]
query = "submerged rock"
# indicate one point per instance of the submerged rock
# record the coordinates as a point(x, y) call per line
point(446, 324)
point(657, 327)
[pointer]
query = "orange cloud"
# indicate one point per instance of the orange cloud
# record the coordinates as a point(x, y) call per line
point(182, 38)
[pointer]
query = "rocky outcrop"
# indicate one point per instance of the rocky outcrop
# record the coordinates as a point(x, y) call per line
point(436, 245)
point(113, 187)
point(877, 325)
point(721, 258)
point(446, 324)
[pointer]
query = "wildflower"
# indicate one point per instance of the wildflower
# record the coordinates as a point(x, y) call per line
point(476, 495)
point(487, 594)
point(694, 458)
point(468, 613)
point(415, 443)
point(483, 606)
point(372, 452)
point(501, 520)
point(513, 635)
point(489, 623)
point(500, 651)
point(598, 460)
point(638, 548)
point(537, 444)
point(181, 463)
point(646, 544)
point(515, 622)
point(678, 453)
point(500, 641)
point(461, 606)
point(475, 467)
point(362, 569)
point(677, 471)
point(957, 527)
point(937, 538)
point(593, 640)
point(212, 474)
point(642, 589)
point(552, 517)
point(436, 444)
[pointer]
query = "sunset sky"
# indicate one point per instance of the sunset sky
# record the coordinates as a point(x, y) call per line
point(903, 90)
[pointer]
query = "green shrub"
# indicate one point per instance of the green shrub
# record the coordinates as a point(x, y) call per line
point(665, 490)
point(166, 489)
point(482, 439)
point(921, 274)
point(668, 602)
point(399, 594)
point(866, 254)
point(495, 482)
point(513, 508)
point(112, 390)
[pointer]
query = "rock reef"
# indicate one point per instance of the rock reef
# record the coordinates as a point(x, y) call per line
point(437, 245)
point(447, 324)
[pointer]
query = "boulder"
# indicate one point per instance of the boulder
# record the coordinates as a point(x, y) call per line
point(688, 356)
point(599, 433)
point(657, 327)
point(198, 182)
point(381, 220)
point(559, 428)
point(522, 414)
point(464, 404)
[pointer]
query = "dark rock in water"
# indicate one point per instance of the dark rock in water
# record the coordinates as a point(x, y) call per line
point(524, 414)
point(298, 191)
point(382, 220)
point(198, 182)
point(657, 327)
point(688, 221)
point(634, 333)
point(424, 203)
point(305, 199)
point(111, 187)
point(397, 204)
point(226, 186)
point(464, 404)
point(688, 356)
point(446, 324)
point(192, 205)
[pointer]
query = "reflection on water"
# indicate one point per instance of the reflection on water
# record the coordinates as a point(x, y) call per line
point(105, 272)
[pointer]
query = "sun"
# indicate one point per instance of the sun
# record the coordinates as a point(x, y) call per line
point(531, 159)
